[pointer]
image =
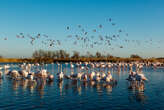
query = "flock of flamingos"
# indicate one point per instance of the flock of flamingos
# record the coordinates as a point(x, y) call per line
point(90, 72)
point(115, 37)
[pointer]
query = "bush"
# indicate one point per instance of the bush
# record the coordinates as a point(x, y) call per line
point(135, 56)
point(1, 56)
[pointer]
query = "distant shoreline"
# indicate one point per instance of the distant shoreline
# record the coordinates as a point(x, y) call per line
point(51, 60)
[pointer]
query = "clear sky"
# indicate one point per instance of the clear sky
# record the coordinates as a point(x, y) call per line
point(143, 20)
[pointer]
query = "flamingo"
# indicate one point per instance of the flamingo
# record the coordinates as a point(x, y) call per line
point(92, 75)
point(1, 68)
point(6, 67)
point(141, 77)
point(51, 77)
point(103, 75)
point(97, 77)
point(132, 76)
point(14, 74)
point(108, 77)
point(44, 73)
point(23, 73)
point(79, 75)
point(60, 74)
point(30, 77)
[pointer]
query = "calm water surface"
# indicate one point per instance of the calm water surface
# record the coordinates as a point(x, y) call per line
point(68, 95)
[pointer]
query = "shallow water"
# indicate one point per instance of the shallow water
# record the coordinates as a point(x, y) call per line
point(83, 95)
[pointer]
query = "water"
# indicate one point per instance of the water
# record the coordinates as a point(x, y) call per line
point(68, 95)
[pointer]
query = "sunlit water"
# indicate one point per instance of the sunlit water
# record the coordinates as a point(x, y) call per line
point(70, 95)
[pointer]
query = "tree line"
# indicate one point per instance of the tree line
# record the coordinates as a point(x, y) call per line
point(63, 54)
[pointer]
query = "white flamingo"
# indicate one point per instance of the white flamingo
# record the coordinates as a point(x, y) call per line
point(60, 74)
point(51, 77)
point(14, 74)
point(108, 77)
point(92, 75)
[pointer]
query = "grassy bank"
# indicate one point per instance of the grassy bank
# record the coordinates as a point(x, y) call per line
point(8, 60)
point(50, 60)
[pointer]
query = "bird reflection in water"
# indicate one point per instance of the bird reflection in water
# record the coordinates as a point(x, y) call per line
point(40, 87)
point(108, 88)
point(78, 86)
point(50, 83)
point(137, 90)
point(1, 82)
point(25, 85)
point(32, 85)
point(15, 85)
point(135, 85)
point(60, 86)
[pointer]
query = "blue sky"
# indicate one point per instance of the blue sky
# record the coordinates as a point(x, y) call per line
point(143, 20)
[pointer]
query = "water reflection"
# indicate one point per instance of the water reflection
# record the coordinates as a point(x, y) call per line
point(136, 91)
point(24, 84)
point(60, 86)
point(1, 82)
point(79, 86)
point(63, 90)
point(64, 86)
point(15, 85)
